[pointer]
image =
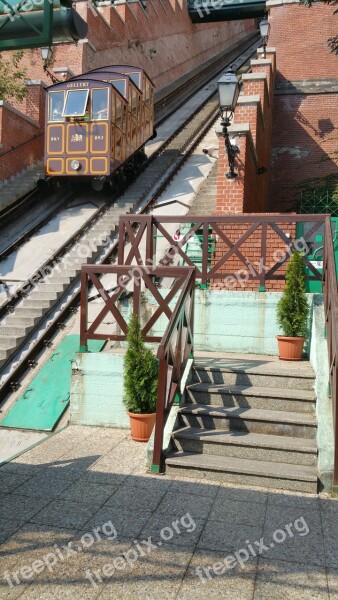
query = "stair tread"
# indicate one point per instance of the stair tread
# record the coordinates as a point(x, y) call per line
point(252, 414)
point(257, 440)
point(248, 390)
point(243, 466)
point(252, 364)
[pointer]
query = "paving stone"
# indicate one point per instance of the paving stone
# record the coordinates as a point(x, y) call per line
point(303, 542)
point(175, 528)
point(158, 575)
point(308, 501)
point(126, 524)
point(9, 481)
point(81, 578)
point(89, 493)
point(7, 528)
point(228, 537)
point(136, 498)
point(65, 514)
point(45, 485)
point(282, 580)
point(197, 487)
point(20, 508)
point(215, 575)
point(180, 503)
point(332, 578)
point(243, 494)
point(237, 512)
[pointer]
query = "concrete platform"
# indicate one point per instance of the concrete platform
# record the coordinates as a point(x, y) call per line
point(81, 519)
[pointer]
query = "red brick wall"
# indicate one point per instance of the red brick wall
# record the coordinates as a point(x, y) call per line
point(300, 36)
point(249, 191)
point(304, 137)
point(236, 274)
point(304, 145)
point(15, 130)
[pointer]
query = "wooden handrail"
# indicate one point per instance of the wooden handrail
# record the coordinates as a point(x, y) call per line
point(331, 319)
point(172, 362)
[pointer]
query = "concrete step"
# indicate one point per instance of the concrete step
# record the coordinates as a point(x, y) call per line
point(260, 375)
point(53, 286)
point(221, 394)
point(22, 322)
point(10, 342)
point(243, 471)
point(243, 444)
point(275, 422)
point(31, 311)
point(15, 331)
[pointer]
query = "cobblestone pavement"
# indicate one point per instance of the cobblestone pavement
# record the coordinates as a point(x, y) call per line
point(82, 519)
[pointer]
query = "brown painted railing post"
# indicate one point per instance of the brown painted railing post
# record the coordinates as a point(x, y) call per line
point(160, 408)
point(335, 426)
point(83, 311)
point(263, 265)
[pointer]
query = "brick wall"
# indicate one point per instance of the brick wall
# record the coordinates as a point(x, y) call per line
point(305, 117)
point(22, 143)
point(252, 134)
point(237, 271)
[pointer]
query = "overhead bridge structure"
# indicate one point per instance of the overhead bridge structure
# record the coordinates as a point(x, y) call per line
point(206, 11)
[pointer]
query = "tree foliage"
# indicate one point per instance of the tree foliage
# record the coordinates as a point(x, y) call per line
point(333, 41)
point(12, 76)
point(293, 308)
point(140, 373)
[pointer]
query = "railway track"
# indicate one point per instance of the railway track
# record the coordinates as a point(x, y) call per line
point(47, 298)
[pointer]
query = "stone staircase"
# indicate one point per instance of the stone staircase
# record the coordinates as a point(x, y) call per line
point(248, 420)
point(16, 186)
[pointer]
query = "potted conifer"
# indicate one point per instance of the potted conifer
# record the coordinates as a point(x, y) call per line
point(140, 383)
point(293, 311)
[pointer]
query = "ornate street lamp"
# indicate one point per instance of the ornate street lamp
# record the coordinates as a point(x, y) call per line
point(46, 55)
point(264, 27)
point(228, 91)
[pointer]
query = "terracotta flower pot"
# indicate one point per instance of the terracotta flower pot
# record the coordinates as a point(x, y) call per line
point(290, 348)
point(141, 426)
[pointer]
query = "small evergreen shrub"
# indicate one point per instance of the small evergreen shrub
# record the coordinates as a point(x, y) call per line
point(293, 308)
point(140, 373)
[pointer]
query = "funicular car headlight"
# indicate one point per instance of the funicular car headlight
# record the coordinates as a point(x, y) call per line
point(75, 165)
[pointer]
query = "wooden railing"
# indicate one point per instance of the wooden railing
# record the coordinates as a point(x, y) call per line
point(331, 320)
point(175, 345)
point(257, 236)
point(173, 353)
point(260, 244)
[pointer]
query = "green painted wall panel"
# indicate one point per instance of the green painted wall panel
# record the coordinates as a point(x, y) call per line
point(97, 390)
point(42, 404)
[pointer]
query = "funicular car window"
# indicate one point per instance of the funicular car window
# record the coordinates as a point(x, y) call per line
point(118, 120)
point(120, 85)
point(136, 78)
point(76, 102)
point(100, 104)
point(56, 101)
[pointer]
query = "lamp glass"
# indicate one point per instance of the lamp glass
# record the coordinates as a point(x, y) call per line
point(46, 53)
point(264, 28)
point(228, 91)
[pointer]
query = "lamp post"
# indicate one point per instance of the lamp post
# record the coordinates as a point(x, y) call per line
point(264, 27)
point(46, 55)
point(228, 91)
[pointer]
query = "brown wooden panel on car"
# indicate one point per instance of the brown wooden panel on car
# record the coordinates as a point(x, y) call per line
point(77, 138)
point(55, 166)
point(55, 139)
point(99, 165)
point(99, 138)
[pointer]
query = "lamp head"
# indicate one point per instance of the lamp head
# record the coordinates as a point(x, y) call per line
point(228, 91)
